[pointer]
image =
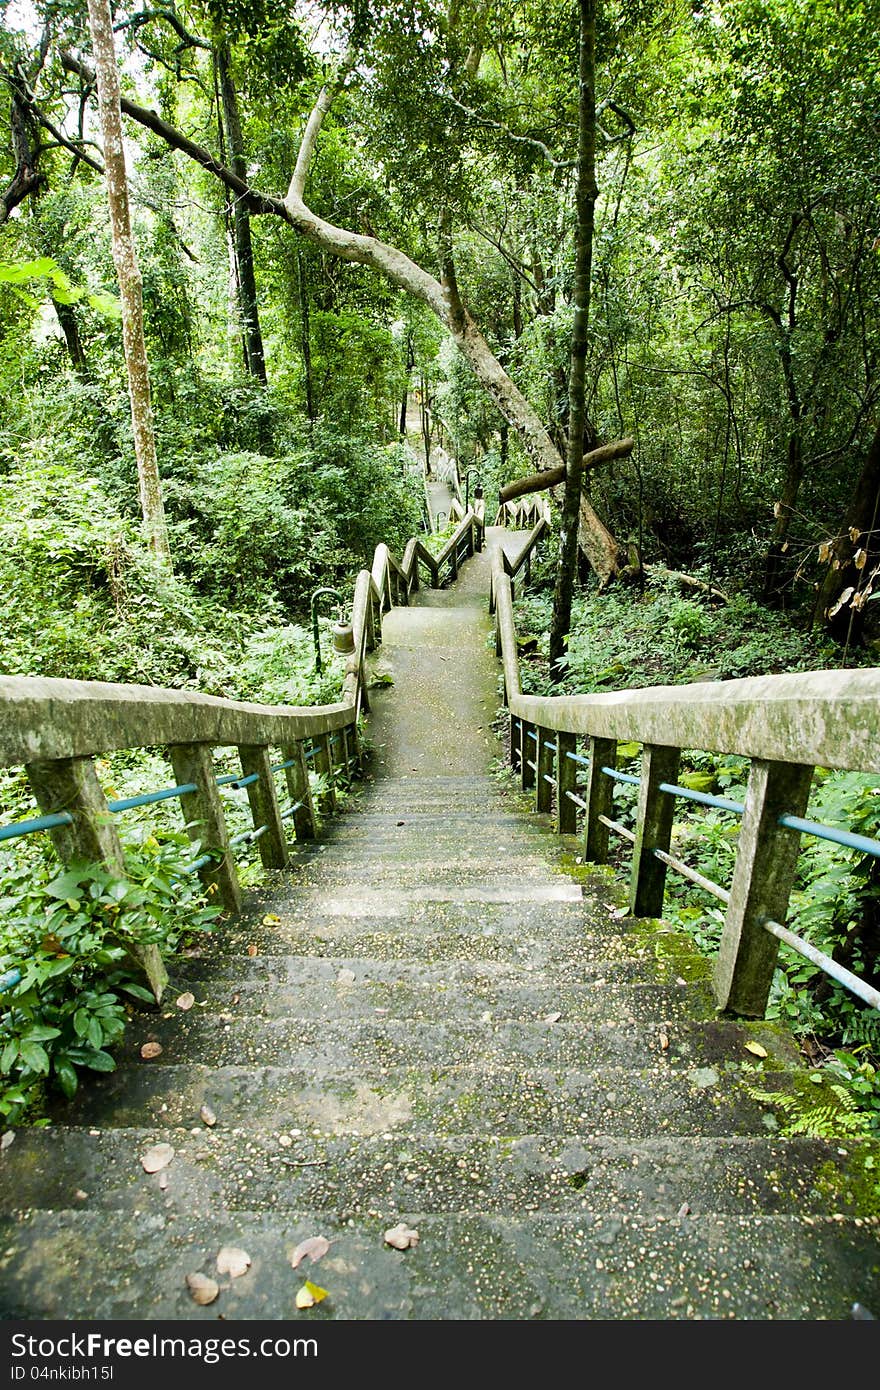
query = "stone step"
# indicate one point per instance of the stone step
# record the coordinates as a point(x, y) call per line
point(361, 1175)
point(394, 1041)
point(465, 1267)
point(229, 971)
point(458, 876)
point(304, 987)
point(409, 1099)
point(566, 955)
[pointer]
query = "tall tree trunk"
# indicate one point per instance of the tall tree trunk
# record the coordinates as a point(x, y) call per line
point(566, 571)
point(247, 285)
point(305, 333)
point(69, 325)
point(129, 277)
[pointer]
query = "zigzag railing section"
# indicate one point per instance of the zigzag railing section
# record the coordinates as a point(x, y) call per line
point(56, 728)
point(565, 751)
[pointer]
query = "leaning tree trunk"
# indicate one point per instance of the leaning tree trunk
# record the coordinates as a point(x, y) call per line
point(603, 552)
point(566, 571)
point(129, 277)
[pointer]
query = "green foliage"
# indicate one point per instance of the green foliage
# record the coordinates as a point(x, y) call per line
point(71, 935)
point(624, 639)
point(842, 1103)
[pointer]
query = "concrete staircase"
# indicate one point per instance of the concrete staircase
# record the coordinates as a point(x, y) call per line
point(438, 1018)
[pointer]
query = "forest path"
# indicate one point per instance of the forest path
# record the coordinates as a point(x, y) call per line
point(437, 1022)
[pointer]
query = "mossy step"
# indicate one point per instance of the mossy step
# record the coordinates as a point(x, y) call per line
point(565, 950)
point(228, 970)
point(100, 1266)
point(398, 1041)
point(309, 988)
point(357, 1175)
point(410, 1099)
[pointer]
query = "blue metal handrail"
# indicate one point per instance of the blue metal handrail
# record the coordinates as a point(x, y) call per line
point(28, 827)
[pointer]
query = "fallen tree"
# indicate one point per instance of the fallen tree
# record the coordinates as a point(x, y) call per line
point(552, 477)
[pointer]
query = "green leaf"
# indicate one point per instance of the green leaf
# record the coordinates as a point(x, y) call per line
point(68, 1080)
point(99, 1061)
point(95, 1034)
point(81, 1023)
point(138, 992)
point(35, 1057)
point(40, 1032)
point(8, 1056)
point(106, 304)
point(26, 270)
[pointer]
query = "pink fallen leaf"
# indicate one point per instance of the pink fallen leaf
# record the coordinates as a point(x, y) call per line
point(401, 1237)
point(157, 1158)
point(185, 1001)
point(233, 1261)
point(315, 1248)
point(202, 1288)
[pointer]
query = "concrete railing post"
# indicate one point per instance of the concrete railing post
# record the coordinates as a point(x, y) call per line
point(515, 742)
point(71, 785)
point(205, 821)
point(300, 791)
point(599, 797)
point(566, 781)
point(654, 818)
point(528, 755)
point(324, 765)
point(545, 760)
point(265, 810)
point(762, 881)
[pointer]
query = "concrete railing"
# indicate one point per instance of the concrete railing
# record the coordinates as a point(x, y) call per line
point(56, 728)
point(786, 725)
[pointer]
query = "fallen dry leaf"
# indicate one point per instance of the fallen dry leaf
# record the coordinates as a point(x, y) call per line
point(8, 1138)
point(150, 1049)
point(401, 1237)
point(664, 1042)
point(346, 977)
point(756, 1048)
point(684, 1209)
point(252, 950)
point(207, 1116)
point(233, 1261)
point(551, 1018)
point(157, 1158)
point(202, 1288)
point(309, 1295)
point(315, 1248)
point(185, 1001)
point(271, 920)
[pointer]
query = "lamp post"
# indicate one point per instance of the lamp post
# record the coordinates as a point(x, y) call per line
point(467, 487)
point(319, 593)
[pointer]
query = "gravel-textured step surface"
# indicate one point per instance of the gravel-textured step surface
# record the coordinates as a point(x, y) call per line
point(465, 1266)
point(439, 1016)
